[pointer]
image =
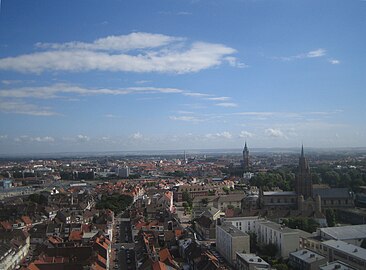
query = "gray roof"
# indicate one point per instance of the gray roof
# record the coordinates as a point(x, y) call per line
point(279, 193)
point(232, 230)
point(332, 192)
point(231, 198)
point(278, 227)
point(351, 250)
point(337, 265)
point(252, 259)
point(345, 232)
point(307, 256)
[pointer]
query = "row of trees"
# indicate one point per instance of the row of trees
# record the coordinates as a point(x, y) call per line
point(284, 178)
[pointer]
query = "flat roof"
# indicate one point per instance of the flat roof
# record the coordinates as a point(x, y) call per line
point(232, 230)
point(278, 227)
point(279, 193)
point(350, 249)
point(346, 232)
point(252, 259)
point(338, 265)
point(307, 255)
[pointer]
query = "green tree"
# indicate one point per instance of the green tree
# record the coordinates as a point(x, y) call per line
point(204, 201)
point(331, 218)
point(280, 266)
point(253, 242)
point(269, 250)
point(186, 197)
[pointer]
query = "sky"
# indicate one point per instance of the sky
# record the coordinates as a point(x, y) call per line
point(125, 75)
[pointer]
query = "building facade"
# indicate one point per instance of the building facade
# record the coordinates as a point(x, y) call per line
point(230, 240)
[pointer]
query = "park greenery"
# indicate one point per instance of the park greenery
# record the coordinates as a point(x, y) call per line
point(343, 177)
point(306, 224)
point(116, 202)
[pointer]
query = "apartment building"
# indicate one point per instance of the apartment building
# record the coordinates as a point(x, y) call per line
point(230, 240)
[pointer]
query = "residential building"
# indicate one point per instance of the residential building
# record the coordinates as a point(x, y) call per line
point(230, 240)
point(353, 234)
point(306, 260)
point(248, 261)
point(350, 254)
point(337, 265)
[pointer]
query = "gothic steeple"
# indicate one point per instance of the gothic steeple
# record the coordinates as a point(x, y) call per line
point(246, 158)
point(304, 185)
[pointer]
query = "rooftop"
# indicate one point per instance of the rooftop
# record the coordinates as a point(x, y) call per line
point(252, 259)
point(351, 250)
point(232, 230)
point(307, 256)
point(337, 265)
point(278, 227)
point(279, 193)
point(345, 232)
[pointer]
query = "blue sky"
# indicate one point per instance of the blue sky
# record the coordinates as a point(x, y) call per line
point(97, 75)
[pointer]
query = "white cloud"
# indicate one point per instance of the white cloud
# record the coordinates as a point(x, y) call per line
point(233, 61)
point(334, 61)
point(315, 53)
point(224, 135)
point(26, 138)
point(52, 91)
point(311, 54)
point(219, 98)
point(128, 42)
point(111, 54)
point(274, 132)
point(137, 136)
point(195, 94)
point(185, 118)
point(3, 137)
point(246, 134)
point(82, 138)
point(226, 104)
point(43, 139)
point(20, 107)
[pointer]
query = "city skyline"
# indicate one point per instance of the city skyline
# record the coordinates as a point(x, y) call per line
point(169, 75)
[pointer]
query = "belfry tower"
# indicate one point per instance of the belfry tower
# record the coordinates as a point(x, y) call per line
point(303, 184)
point(246, 158)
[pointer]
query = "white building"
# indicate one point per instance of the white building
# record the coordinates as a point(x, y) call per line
point(123, 172)
point(230, 240)
point(12, 254)
point(286, 239)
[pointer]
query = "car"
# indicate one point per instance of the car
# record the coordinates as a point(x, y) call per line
point(116, 266)
point(129, 261)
